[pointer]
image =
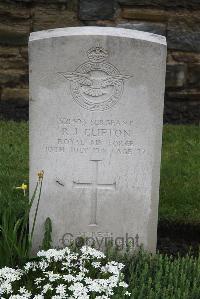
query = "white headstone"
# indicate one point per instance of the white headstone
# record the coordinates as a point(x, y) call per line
point(96, 107)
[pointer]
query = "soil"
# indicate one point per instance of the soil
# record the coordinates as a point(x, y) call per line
point(178, 238)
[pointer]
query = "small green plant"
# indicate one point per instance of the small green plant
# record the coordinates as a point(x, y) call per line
point(47, 241)
point(15, 240)
point(158, 276)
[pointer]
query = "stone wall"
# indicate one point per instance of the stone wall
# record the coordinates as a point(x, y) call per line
point(179, 20)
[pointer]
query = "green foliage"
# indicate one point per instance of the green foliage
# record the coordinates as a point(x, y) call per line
point(160, 276)
point(15, 241)
point(13, 164)
point(180, 174)
point(148, 276)
point(47, 241)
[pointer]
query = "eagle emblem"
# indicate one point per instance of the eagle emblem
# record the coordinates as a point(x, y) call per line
point(96, 84)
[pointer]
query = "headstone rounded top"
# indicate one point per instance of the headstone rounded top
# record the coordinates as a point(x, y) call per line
point(92, 30)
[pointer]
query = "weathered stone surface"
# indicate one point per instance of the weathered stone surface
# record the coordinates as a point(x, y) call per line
point(13, 77)
point(187, 57)
point(13, 94)
point(181, 111)
point(73, 5)
point(9, 51)
point(14, 34)
point(13, 11)
point(96, 9)
point(176, 75)
point(13, 63)
point(95, 130)
point(191, 94)
point(194, 75)
point(147, 14)
point(14, 110)
point(157, 28)
point(102, 23)
point(44, 1)
point(184, 35)
point(24, 52)
point(195, 4)
point(51, 17)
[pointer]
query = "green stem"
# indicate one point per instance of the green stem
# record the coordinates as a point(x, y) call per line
point(26, 216)
point(36, 211)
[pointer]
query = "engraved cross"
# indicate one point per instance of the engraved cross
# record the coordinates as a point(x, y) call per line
point(94, 186)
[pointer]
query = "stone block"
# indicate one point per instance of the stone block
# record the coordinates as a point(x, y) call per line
point(44, 1)
point(187, 57)
point(176, 75)
point(14, 94)
point(9, 51)
point(14, 110)
point(13, 77)
point(14, 34)
point(24, 52)
point(96, 9)
point(52, 17)
point(14, 11)
point(101, 23)
point(145, 14)
point(193, 78)
point(184, 34)
point(182, 111)
point(13, 63)
point(156, 28)
point(193, 4)
point(187, 94)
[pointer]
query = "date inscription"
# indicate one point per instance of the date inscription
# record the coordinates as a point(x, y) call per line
point(94, 136)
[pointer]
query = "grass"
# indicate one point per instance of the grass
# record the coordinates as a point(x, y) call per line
point(180, 175)
point(180, 170)
point(13, 163)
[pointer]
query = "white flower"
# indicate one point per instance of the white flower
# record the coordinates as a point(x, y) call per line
point(31, 266)
point(38, 280)
point(61, 290)
point(88, 251)
point(96, 264)
point(52, 276)
point(43, 265)
point(24, 292)
point(79, 291)
point(53, 254)
point(46, 288)
point(7, 276)
point(63, 274)
point(18, 297)
point(68, 277)
point(112, 267)
point(123, 284)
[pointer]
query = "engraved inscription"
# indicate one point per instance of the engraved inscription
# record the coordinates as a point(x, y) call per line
point(96, 84)
point(94, 186)
point(95, 136)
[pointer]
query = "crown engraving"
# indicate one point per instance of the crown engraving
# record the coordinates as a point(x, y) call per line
point(96, 85)
point(97, 54)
